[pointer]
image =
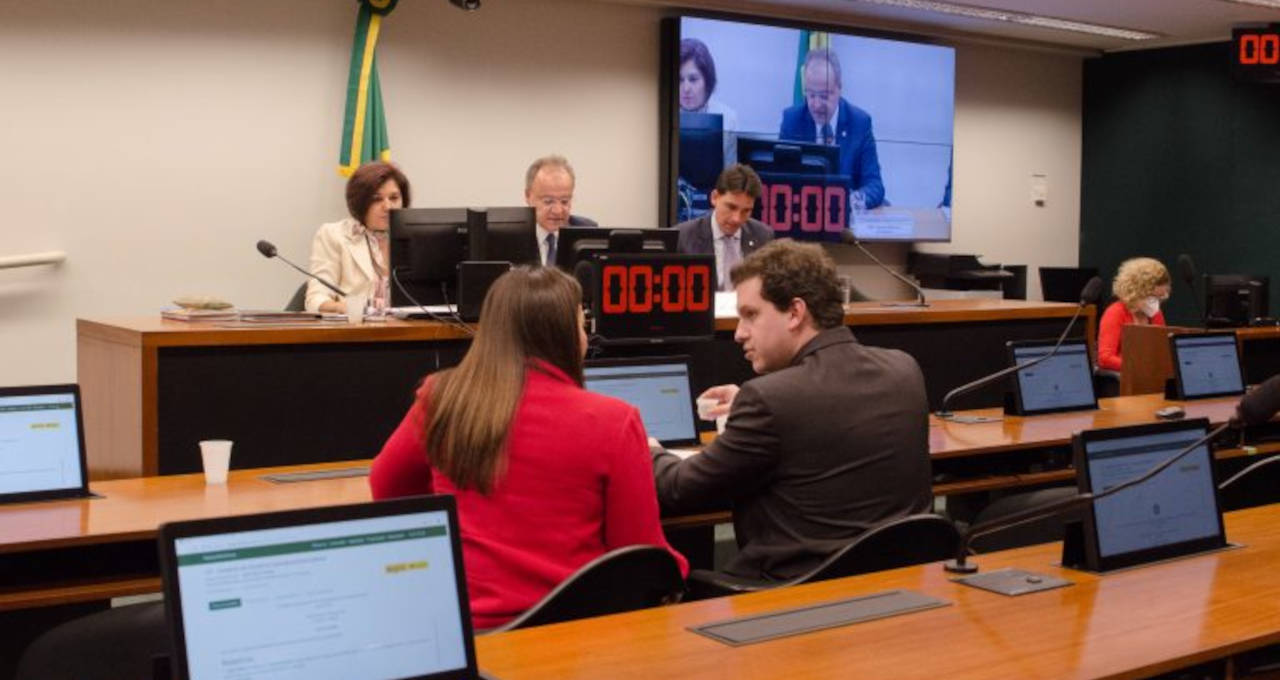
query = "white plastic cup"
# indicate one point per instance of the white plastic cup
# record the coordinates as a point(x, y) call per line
point(846, 288)
point(705, 406)
point(720, 423)
point(216, 456)
point(355, 307)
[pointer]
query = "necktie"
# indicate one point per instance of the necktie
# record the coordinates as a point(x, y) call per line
point(551, 250)
point(731, 257)
point(828, 136)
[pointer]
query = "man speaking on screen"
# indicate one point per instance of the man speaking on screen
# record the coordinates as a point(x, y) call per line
point(826, 117)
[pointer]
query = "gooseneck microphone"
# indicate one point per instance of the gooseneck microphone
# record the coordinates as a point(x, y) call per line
point(847, 237)
point(1188, 270)
point(962, 565)
point(1089, 295)
point(268, 251)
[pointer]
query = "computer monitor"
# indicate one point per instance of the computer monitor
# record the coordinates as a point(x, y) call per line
point(659, 387)
point(1063, 382)
point(510, 235)
point(766, 154)
point(1206, 365)
point(1063, 284)
point(701, 161)
point(804, 197)
point(358, 592)
point(1235, 299)
point(1174, 513)
point(580, 243)
point(426, 246)
point(41, 443)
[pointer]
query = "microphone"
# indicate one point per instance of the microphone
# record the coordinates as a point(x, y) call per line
point(847, 237)
point(1087, 296)
point(1188, 270)
point(961, 564)
point(268, 251)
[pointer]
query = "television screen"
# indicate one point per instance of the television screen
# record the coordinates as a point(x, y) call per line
point(845, 131)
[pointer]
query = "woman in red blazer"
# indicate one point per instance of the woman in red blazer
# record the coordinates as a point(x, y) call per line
point(547, 475)
point(1141, 284)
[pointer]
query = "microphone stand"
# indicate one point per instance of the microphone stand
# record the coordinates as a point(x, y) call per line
point(961, 563)
point(849, 238)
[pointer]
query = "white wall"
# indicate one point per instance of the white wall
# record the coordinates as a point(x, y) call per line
point(155, 142)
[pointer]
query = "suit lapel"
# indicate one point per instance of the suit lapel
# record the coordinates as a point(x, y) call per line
point(359, 249)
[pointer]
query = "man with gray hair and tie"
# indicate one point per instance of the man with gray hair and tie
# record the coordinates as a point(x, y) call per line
point(826, 117)
point(728, 230)
point(548, 189)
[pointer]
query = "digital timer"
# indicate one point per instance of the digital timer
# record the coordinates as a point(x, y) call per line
point(1255, 53)
point(647, 297)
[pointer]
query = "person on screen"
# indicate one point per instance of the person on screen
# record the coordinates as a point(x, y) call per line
point(1141, 284)
point(548, 189)
point(697, 86)
point(538, 497)
point(728, 230)
point(829, 440)
point(354, 253)
point(826, 117)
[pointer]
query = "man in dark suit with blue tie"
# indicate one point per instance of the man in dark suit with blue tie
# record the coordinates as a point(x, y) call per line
point(728, 231)
point(827, 118)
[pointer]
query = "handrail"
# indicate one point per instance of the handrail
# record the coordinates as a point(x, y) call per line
point(33, 259)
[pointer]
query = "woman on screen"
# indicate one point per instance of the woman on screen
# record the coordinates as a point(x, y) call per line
point(547, 475)
point(697, 84)
point(354, 253)
point(1141, 284)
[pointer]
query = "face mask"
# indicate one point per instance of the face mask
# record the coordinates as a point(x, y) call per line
point(1150, 307)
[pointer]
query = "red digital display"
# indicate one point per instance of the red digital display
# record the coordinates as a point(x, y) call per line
point(643, 297)
point(1255, 53)
point(804, 205)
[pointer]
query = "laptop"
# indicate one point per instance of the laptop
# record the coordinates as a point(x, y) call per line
point(659, 387)
point(1206, 365)
point(41, 444)
point(1172, 514)
point(352, 592)
point(1061, 383)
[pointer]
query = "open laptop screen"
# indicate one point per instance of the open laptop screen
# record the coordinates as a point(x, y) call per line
point(1175, 512)
point(41, 443)
point(1061, 383)
point(318, 596)
point(1207, 365)
point(659, 388)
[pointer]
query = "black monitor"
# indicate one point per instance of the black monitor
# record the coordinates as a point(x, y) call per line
point(509, 235)
point(701, 160)
point(1063, 284)
point(1235, 299)
point(579, 243)
point(788, 156)
point(426, 246)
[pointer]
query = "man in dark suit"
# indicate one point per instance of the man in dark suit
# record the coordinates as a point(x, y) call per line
point(548, 189)
point(830, 440)
point(727, 231)
point(827, 118)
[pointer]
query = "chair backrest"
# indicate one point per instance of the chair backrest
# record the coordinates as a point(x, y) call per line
point(914, 539)
point(635, 577)
point(1043, 530)
point(298, 302)
point(124, 642)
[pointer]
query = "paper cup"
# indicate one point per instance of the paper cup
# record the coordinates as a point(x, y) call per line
point(720, 423)
point(216, 456)
point(355, 307)
point(705, 406)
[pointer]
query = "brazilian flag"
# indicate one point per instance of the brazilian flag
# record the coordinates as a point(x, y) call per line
point(809, 40)
point(364, 126)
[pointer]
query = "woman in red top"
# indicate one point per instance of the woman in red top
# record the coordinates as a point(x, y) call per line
point(547, 475)
point(1141, 284)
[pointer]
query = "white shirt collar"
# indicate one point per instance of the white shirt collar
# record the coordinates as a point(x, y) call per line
point(835, 126)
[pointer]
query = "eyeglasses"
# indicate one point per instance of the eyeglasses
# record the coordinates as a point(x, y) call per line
point(819, 94)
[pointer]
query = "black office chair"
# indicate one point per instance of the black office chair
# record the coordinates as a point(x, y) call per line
point(635, 577)
point(914, 539)
point(124, 643)
point(1045, 530)
point(1063, 284)
point(298, 302)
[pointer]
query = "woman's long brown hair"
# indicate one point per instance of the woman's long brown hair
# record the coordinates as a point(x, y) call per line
point(529, 313)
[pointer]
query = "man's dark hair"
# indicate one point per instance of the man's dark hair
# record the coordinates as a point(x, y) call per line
point(739, 178)
point(790, 270)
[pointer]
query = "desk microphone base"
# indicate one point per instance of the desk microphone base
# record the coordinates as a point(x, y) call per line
point(1013, 582)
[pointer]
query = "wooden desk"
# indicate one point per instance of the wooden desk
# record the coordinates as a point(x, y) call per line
point(1148, 358)
point(1130, 624)
point(153, 388)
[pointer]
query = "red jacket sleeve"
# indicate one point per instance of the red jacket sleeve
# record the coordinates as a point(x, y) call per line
point(630, 499)
point(1109, 330)
point(401, 468)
